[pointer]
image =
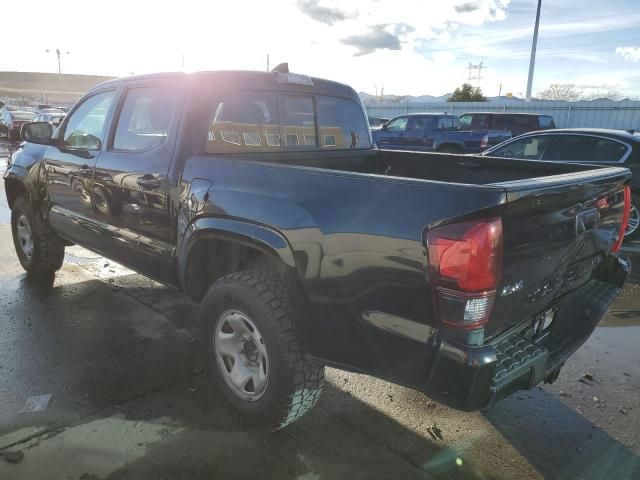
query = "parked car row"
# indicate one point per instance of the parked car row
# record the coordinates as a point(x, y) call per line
point(434, 132)
point(12, 117)
point(447, 133)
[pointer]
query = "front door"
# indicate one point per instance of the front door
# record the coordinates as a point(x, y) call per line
point(68, 167)
point(130, 180)
point(390, 136)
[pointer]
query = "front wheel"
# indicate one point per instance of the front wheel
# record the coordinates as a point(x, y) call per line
point(39, 250)
point(252, 350)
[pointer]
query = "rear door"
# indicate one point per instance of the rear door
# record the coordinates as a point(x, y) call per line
point(130, 181)
point(419, 134)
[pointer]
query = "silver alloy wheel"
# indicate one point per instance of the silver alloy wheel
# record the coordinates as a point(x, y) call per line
point(241, 355)
point(24, 236)
point(634, 221)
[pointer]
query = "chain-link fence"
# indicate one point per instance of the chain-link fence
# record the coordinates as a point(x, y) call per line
point(623, 114)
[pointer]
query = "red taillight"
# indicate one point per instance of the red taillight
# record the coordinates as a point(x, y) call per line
point(466, 256)
point(465, 260)
point(484, 143)
point(625, 219)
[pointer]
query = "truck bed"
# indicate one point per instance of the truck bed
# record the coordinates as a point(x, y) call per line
point(440, 167)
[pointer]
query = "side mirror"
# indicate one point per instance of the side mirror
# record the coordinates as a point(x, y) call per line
point(37, 132)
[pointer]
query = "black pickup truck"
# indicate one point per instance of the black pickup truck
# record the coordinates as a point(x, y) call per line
point(262, 196)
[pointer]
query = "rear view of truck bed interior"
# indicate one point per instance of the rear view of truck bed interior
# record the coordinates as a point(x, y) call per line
point(454, 168)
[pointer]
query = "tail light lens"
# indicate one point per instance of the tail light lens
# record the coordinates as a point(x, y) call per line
point(625, 219)
point(465, 261)
point(484, 143)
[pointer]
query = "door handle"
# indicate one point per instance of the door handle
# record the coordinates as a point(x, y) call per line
point(148, 182)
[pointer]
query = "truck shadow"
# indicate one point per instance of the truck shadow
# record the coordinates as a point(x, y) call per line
point(106, 356)
point(131, 354)
point(558, 441)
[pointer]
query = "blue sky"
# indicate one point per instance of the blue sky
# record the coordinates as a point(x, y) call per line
point(406, 46)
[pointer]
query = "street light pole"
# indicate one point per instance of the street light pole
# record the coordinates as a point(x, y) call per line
point(534, 44)
point(58, 53)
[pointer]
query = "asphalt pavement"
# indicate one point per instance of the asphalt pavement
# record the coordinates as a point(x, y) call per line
point(100, 378)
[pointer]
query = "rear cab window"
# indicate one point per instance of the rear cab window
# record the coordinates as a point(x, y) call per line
point(245, 122)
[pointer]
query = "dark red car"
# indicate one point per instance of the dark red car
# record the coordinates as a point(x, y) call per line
point(11, 122)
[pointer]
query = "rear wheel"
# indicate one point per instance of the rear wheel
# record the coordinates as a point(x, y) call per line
point(39, 250)
point(252, 351)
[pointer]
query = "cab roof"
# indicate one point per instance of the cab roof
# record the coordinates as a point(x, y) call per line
point(245, 80)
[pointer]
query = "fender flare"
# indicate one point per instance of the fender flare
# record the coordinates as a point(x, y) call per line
point(260, 237)
point(16, 173)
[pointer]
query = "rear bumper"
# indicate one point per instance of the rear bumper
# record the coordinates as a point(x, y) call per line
point(472, 378)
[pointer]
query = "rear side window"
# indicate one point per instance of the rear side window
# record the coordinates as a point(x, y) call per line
point(546, 122)
point(265, 121)
point(144, 119)
point(522, 120)
point(465, 122)
point(480, 122)
point(583, 148)
point(500, 122)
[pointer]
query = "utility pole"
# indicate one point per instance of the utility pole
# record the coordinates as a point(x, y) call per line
point(479, 67)
point(58, 53)
point(267, 62)
point(534, 44)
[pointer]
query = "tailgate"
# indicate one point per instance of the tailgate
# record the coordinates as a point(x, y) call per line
point(556, 231)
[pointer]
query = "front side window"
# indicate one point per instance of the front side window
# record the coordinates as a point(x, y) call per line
point(397, 125)
point(465, 122)
point(529, 148)
point(85, 127)
point(145, 118)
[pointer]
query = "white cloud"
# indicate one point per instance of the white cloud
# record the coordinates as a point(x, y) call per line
point(629, 53)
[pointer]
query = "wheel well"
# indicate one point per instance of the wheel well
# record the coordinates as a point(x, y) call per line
point(452, 147)
point(212, 258)
point(14, 189)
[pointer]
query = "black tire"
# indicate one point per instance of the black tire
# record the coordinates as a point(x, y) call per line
point(294, 384)
point(635, 203)
point(47, 249)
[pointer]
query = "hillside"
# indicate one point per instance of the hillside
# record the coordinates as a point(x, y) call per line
point(46, 87)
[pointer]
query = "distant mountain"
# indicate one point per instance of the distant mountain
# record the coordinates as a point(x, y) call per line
point(369, 99)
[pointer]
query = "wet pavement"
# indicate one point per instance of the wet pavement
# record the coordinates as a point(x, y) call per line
point(117, 353)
